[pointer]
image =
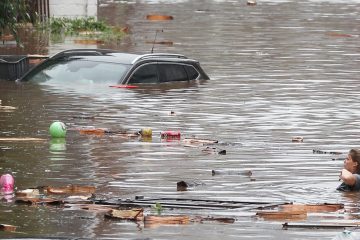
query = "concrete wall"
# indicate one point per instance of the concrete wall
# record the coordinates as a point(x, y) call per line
point(73, 8)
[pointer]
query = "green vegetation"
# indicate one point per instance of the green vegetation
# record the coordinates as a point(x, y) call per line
point(157, 208)
point(87, 27)
point(13, 12)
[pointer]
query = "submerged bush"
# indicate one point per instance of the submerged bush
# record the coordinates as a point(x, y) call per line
point(89, 27)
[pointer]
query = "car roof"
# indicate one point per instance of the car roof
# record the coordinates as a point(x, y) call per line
point(108, 55)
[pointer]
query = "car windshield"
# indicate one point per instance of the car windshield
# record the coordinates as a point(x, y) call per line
point(77, 70)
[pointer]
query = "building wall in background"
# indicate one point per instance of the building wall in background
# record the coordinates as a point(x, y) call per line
point(73, 8)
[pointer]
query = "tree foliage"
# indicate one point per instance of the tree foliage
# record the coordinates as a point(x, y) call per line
point(13, 12)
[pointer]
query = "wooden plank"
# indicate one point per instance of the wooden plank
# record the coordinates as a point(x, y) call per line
point(71, 189)
point(134, 214)
point(153, 220)
point(282, 215)
point(314, 208)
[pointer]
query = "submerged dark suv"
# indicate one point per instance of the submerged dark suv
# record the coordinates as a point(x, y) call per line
point(115, 68)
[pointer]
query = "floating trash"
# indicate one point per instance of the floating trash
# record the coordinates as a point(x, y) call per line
point(170, 135)
point(232, 172)
point(57, 130)
point(7, 228)
point(297, 139)
point(7, 183)
point(134, 214)
point(159, 17)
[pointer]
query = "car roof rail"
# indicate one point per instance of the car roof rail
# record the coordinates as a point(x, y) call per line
point(86, 51)
point(154, 55)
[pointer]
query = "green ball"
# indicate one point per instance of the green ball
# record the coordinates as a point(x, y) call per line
point(57, 130)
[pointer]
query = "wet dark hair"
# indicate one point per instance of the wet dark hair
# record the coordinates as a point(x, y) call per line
point(355, 156)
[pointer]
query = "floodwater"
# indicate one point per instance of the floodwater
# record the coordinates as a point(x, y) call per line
point(278, 70)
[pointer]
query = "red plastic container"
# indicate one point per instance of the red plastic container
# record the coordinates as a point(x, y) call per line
point(170, 135)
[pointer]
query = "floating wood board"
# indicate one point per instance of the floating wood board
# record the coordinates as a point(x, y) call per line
point(21, 139)
point(312, 207)
point(174, 219)
point(198, 203)
point(159, 17)
point(199, 141)
point(275, 215)
point(37, 201)
point(72, 189)
point(89, 207)
point(32, 192)
point(135, 214)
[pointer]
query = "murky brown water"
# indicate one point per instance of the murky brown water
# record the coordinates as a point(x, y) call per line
point(278, 70)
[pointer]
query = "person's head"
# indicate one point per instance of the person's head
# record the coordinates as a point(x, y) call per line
point(352, 161)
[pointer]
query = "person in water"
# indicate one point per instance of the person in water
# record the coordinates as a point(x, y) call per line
point(350, 174)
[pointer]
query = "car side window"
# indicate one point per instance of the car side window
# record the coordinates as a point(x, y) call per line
point(172, 72)
point(145, 74)
point(191, 72)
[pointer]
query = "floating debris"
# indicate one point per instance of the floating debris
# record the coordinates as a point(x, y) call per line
point(7, 228)
point(251, 2)
point(320, 225)
point(183, 186)
point(199, 141)
point(135, 214)
point(39, 201)
point(146, 132)
point(282, 215)
point(159, 17)
point(297, 139)
point(312, 208)
point(71, 189)
point(232, 172)
point(84, 117)
point(213, 219)
point(28, 193)
point(105, 131)
point(153, 221)
point(214, 150)
point(337, 34)
point(172, 135)
point(165, 42)
point(324, 152)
